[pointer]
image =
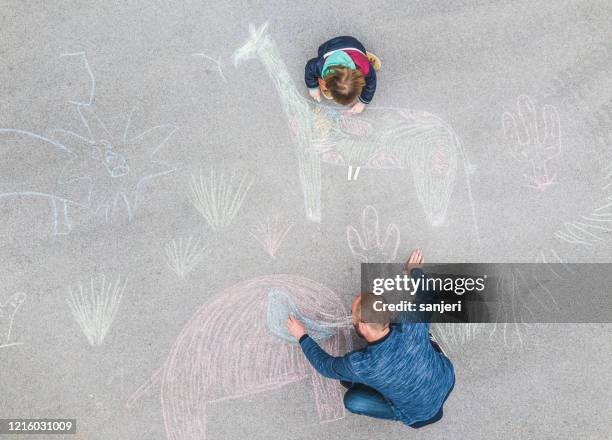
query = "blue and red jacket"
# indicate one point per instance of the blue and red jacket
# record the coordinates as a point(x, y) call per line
point(352, 46)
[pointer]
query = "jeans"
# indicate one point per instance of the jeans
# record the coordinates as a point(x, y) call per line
point(366, 401)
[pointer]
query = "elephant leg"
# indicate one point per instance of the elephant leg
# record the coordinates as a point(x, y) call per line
point(182, 421)
point(310, 178)
point(328, 397)
point(61, 223)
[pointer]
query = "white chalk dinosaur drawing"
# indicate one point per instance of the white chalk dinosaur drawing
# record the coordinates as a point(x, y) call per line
point(381, 138)
point(228, 350)
point(7, 315)
point(368, 246)
point(534, 138)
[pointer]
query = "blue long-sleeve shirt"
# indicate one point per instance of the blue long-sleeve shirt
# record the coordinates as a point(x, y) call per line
point(402, 366)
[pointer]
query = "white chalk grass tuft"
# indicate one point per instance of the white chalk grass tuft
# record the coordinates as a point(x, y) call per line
point(218, 197)
point(271, 234)
point(94, 307)
point(182, 256)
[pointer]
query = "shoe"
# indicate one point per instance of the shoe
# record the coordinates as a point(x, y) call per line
point(374, 60)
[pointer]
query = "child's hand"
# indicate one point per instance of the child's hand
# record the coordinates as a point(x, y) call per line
point(357, 108)
point(315, 93)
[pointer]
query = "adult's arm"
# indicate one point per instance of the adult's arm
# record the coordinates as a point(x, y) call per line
point(421, 296)
point(328, 366)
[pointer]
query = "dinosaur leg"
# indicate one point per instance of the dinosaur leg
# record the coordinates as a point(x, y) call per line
point(61, 223)
point(310, 178)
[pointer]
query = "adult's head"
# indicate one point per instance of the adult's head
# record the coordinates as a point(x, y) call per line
point(370, 331)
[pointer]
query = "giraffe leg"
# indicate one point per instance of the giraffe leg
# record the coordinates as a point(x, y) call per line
point(310, 178)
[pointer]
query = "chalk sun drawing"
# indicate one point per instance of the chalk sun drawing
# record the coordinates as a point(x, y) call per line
point(368, 246)
point(7, 315)
point(227, 351)
point(381, 138)
point(116, 166)
point(218, 197)
point(182, 256)
point(535, 139)
point(270, 234)
point(94, 306)
point(95, 170)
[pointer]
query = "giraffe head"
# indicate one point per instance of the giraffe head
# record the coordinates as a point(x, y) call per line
point(257, 38)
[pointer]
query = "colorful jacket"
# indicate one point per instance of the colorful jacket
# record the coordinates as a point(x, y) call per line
point(352, 46)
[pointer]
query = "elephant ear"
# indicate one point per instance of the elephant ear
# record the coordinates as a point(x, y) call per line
point(280, 306)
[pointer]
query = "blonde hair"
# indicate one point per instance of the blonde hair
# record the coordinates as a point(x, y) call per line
point(344, 84)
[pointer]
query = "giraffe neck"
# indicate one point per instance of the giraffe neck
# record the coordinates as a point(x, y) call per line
point(295, 105)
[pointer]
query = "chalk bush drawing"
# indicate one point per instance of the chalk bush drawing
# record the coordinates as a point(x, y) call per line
point(535, 139)
point(217, 64)
point(182, 256)
point(368, 246)
point(227, 351)
point(94, 306)
point(270, 234)
point(7, 315)
point(218, 197)
point(381, 138)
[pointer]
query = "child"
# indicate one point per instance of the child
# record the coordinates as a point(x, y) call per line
point(344, 72)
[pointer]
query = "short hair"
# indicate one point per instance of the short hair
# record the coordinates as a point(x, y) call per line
point(374, 319)
point(344, 84)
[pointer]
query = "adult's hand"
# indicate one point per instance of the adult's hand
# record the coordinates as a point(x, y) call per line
point(295, 327)
point(414, 260)
point(315, 94)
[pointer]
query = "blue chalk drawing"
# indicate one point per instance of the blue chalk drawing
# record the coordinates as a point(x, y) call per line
point(280, 306)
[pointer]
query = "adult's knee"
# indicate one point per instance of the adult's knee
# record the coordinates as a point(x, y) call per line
point(354, 402)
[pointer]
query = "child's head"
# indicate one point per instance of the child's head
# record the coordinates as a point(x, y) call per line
point(344, 84)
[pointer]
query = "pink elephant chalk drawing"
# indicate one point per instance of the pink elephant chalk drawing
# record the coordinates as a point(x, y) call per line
point(381, 138)
point(230, 348)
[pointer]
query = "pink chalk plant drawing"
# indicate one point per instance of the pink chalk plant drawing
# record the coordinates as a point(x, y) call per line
point(7, 315)
point(534, 138)
point(227, 350)
point(381, 138)
point(270, 234)
point(368, 245)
